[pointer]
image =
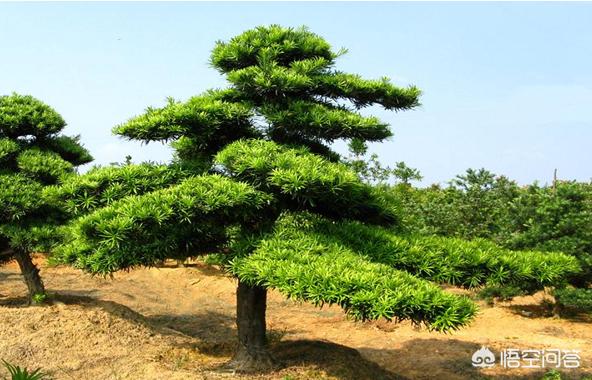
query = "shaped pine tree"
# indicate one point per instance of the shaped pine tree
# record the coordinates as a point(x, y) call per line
point(280, 208)
point(33, 155)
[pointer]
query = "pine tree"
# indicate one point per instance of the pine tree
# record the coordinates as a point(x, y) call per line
point(279, 208)
point(33, 155)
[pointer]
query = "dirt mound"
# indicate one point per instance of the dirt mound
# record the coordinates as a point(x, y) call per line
point(100, 340)
point(178, 323)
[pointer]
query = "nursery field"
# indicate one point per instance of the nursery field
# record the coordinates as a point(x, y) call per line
point(178, 323)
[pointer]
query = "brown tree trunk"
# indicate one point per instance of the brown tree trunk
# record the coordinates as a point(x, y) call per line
point(30, 274)
point(252, 354)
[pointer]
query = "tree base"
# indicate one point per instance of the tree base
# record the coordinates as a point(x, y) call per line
point(252, 354)
point(249, 362)
point(31, 276)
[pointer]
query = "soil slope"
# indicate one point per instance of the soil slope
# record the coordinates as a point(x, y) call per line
point(178, 323)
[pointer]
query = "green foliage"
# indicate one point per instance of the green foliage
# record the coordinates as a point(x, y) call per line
point(309, 266)
point(100, 187)
point(366, 92)
point(287, 76)
point(18, 373)
point(472, 206)
point(19, 196)
point(303, 180)
point(32, 156)
point(574, 299)
point(447, 260)
point(44, 166)
point(556, 219)
point(283, 88)
point(482, 205)
point(180, 221)
point(207, 121)
point(23, 115)
point(405, 174)
point(68, 148)
point(39, 298)
point(8, 150)
point(324, 122)
point(372, 171)
point(552, 375)
point(39, 234)
point(501, 292)
point(283, 45)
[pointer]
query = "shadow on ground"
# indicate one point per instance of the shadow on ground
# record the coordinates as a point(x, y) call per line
point(544, 310)
point(336, 360)
point(214, 334)
point(449, 359)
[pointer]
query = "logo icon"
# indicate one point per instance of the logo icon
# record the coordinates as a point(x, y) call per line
point(483, 358)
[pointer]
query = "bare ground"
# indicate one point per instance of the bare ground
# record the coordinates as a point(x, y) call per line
point(178, 323)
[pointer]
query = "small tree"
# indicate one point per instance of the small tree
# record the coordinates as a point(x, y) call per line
point(32, 155)
point(277, 204)
point(372, 171)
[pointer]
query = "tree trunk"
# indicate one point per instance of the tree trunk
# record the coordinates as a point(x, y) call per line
point(30, 274)
point(252, 354)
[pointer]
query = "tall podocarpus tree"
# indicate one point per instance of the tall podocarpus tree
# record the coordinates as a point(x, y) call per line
point(269, 195)
point(33, 155)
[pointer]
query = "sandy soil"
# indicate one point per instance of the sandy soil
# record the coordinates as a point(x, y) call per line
point(178, 323)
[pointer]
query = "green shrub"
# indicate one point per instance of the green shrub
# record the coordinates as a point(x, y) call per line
point(482, 205)
point(574, 299)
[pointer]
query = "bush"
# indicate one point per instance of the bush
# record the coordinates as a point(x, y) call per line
point(481, 205)
point(574, 299)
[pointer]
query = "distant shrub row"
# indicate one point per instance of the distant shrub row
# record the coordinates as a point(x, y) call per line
point(479, 204)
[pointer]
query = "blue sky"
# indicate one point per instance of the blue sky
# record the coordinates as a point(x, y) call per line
point(507, 86)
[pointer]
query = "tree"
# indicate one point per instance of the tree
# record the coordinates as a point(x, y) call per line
point(406, 174)
point(371, 170)
point(33, 155)
point(279, 208)
point(555, 218)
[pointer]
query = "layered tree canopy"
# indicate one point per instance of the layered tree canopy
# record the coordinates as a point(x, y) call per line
point(33, 155)
point(261, 186)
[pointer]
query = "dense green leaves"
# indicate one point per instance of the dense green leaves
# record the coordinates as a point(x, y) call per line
point(307, 266)
point(304, 180)
point(574, 299)
point(19, 196)
point(32, 156)
point(34, 235)
point(324, 122)
point(8, 150)
point(208, 121)
point(273, 62)
point(282, 45)
point(311, 80)
point(102, 186)
point(180, 221)
point(363, 92)
point(368, 270)
point(449, 260)
point(283, 88)
point(23, 115)
point(555, 219)
point(68, 148)
point(479, 204)
point(44, 166)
